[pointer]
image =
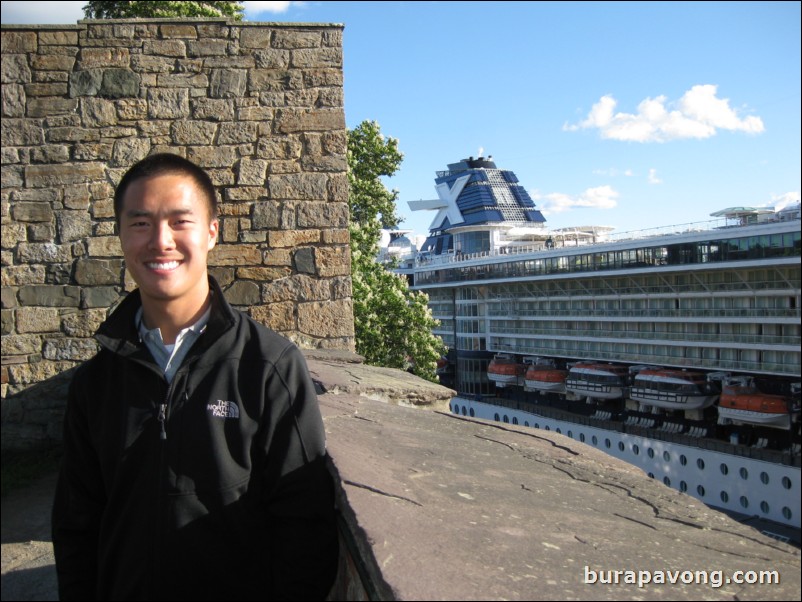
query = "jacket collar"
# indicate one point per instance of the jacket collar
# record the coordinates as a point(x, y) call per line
point(120, 335)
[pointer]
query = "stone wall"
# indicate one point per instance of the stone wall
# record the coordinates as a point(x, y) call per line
point(259, 105)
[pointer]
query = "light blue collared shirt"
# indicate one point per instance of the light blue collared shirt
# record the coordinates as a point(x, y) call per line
point(169, 357)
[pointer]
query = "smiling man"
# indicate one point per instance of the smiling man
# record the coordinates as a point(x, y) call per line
point(194, 451)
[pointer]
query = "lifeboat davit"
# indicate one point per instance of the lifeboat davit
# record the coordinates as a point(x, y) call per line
point(673, 389)
point(504, 370)
point(542, 375)
point(597, 381)
point(742, 403)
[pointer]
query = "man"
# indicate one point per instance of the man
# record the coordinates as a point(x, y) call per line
point(194, 452)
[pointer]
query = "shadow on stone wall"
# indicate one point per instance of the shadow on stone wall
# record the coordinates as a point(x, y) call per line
point(34, 418)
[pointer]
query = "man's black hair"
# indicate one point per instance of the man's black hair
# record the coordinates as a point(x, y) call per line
point(163, 164)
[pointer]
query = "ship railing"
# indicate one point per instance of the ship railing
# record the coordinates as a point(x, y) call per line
point(530, 347)
point(583, 313)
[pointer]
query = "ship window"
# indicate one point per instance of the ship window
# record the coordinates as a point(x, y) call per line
point(464, 410)
point(607, 443)
point(558, 431)
point(496, 417)
point(650, 475)
point(683, 460)
point(650, 452)
point(635, 449)
point(786, 482)
point(666, 456)
point(764, 478)
point(471, 412)
point(526, 423)
point(744, 473)
point(744, 501)
point(621, 446)
point(548, 428)
point(667, 481)
point(724, 469)
point(570, 434)
point(787, 512)
point(594, 439)
point(764, 507)
point(700, 490)
point(725, 497)
point(700, 463)
point(582, 437)
point(506, 419)
point(683, 486)
point(537, 425)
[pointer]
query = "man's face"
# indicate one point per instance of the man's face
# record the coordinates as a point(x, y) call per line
point(166, 235)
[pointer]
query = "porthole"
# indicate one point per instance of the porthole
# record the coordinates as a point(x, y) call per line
point(582, 437)
point(683, 460)
point(764, 478)
point(700, 490)
point(514, 420)
point(635, 449)
point(764, 507)
point(724, 469)
point(787, 513)
point(666, 456)
point(621, 446)
point(455, 409)
point(667, 481)
point(464, 411)
point(683, 486)
point(496, 417)
point(526, 423)
point(547, 427)
point(725, 497)
point(786, 482)
point(506, 419)
point(651, 475)
point(472, 413)
point(558, 431)
point(744, 502)
point(537, 425)
point(607, 443)
point(570, 434)
point(700, 463)
point(594, 440)
point(744, 473)
point(650, 452)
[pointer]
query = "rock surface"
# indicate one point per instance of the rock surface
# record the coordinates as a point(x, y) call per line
point(442, 507)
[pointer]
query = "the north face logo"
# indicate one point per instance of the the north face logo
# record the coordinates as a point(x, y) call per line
point(224, 409)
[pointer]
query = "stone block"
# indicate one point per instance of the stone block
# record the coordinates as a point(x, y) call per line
point(263, 275)
point(44, 253)
point(299, 288)
point(132, 109)
point(104, 246)
point(45, 176)
point(46, 295)
point(238, 132)
point(93, 272)
point(255, 37)
point(228, 83)
point(322, 215)
point(104, 58)
point(213, 156)
point(193, 132)
point(316, 58)
point(207, 47)
point(213, 108)
point(83, 323)
point(177, 30)
point(293, 238)
point(14, 69)
point(12, 233)
point(243, 293)
point(13, 100)
point(309, 120)
point(277, 316)
point(18, 42)
point(99, 296)
point(296, 39)
point(32, 212)
point(73, 225)
point(329, 319)
point(85, 83)
point(304, 260)
point(168, 104)
point(168, 48)
point(46, 89)
point(333, 261)
point(51, 62)
point(97, 112)
point(58, 38)
point(17, 275)
point(119, 83)
point(15, 344)
point(252, 172)
point(21, 132)
point(236, 255)
point(128, 151)
point(50, 153)
point(37, 319)
point(300, 186)
point(78, 350)
point(41, 232)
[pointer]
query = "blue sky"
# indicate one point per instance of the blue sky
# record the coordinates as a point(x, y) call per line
point(625, 114)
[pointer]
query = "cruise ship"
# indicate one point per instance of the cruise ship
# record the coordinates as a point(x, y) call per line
point(676, 349)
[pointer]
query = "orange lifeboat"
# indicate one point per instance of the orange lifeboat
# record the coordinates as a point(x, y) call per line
point(742, 403)
point(504, 370)
point(597, 381)
point(543, 375)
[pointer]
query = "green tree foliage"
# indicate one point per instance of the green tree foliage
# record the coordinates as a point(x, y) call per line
point(140, 9)
point(393, 324)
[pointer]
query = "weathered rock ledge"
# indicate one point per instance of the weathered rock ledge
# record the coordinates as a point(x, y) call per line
point(440, 507)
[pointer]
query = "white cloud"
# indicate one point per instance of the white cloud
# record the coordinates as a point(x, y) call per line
point(698, 114)
point(601, 197)
point(653, 179)
point(614, 172)
point(253, 9)
point(781, 201)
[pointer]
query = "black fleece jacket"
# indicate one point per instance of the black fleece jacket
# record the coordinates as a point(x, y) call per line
point(213, 487)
